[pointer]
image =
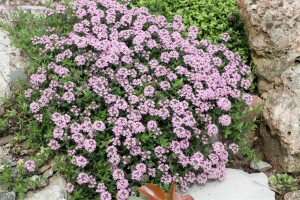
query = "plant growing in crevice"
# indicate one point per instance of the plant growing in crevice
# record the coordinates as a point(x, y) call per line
point(283, 182)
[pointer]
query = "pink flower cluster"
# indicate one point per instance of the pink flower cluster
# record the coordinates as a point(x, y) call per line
point(29, 165)
point(152, 81)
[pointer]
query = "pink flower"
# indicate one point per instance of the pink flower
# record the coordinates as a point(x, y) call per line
point(53, 144)
point(98, 126)
point(225, 37)
point(34, 107)
point(29, 165)
point(70, 187)
point(225, 120)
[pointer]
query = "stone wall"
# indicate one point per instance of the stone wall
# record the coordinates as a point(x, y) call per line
point(273, 28)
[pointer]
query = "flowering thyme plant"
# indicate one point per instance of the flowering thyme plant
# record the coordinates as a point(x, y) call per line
point(133, 101)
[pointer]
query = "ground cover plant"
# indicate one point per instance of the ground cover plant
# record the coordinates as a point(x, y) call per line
point(129, 98)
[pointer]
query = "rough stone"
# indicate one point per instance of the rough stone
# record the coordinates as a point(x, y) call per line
point(273, 28)
point(3, 152)
point(44, 168)
point(2, 111)
point(9, 159)
point(238, 185)
point(295, 195)
point(260, 166)
point(11, 62)
point(7, 195)
point(54, 191)
point(6, 139)
point(48, 173)
point(53, 164)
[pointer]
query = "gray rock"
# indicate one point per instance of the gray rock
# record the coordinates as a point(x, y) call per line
point(54, 191)
point(3, 152)
point(10, 61)
point(6, 139)
point(273, 30)
point(48, 173)
point(260, 166)
point(44, 168)
point(9, 160)
point(7, 195)
point(2, 111)
point(295, 195)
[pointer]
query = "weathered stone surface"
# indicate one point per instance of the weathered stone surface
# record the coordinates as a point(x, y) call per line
point(11, 64)
point(6, 139)
point(54, 191)
point(260, 166)
point(2, 111)
point(7, 195)
point(3, 152)
point(48, 173)
point(292, 195)
point(273, 28)
point(44, 168)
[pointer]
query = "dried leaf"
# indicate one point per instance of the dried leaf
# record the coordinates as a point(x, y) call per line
point(152, 192)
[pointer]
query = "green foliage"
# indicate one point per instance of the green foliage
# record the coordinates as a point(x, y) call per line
point(211, 17)
point(283, 182)
point(19, 180)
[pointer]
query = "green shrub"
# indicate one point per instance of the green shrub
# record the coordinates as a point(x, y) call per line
point(212, 17)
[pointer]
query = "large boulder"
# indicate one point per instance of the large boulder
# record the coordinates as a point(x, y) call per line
point(273, 28)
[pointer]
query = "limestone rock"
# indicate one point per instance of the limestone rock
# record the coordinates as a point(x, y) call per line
point(273, 28)
point(3, 152)
point(7, 195)
point(44, 168)
point(2, 111)
point(6, 139)
point(12, 64)
point(54, 191)
point(48, 173)
point(295, 195)
point(260, 166)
